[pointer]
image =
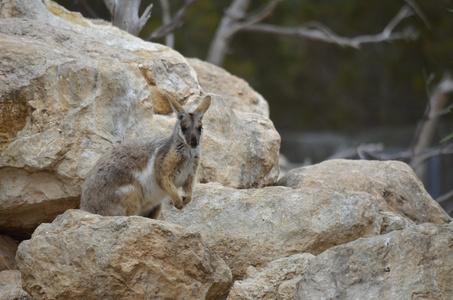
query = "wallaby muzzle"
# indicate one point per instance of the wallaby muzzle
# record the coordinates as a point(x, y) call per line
point(193, 142)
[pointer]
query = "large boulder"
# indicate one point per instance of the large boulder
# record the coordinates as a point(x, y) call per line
point(71, 88)
point(256, 226)
point(86, 256)
point(277, 280)
point(415, 263)
point(394, 184)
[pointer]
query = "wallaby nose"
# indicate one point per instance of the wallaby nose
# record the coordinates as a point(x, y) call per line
point(193, 142)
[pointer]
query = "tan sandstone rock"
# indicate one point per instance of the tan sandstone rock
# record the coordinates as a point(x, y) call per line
point(256, 226)
point(393, 183)
point(11, 286)
point(277, 280)
point(415, 263)
point(8, 248)
point(86, 256)
point(392, 221)
point(71, 87)
point(236, 91)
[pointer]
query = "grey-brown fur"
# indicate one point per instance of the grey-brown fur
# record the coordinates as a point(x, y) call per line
point(134, 178)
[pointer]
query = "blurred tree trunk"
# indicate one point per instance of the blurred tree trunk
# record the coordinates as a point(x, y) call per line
point(219, 44)
point(125, 15)
point(166, 19)
point(436, 103)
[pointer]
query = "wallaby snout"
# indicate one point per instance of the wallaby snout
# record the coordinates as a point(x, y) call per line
point(194, 142)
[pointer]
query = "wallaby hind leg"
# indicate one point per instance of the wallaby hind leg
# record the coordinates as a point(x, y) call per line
point(130, 197)
point(155, 212)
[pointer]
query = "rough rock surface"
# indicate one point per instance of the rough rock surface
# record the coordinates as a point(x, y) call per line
point(394, 184)
point(8, 248)
point(277, 280)
point(11, 286)
point(393, 221)
point(414, 263)
point(86, 256)
point(255, 226)
point(70, 88)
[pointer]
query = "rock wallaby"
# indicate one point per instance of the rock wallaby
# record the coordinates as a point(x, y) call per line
point(134, 178)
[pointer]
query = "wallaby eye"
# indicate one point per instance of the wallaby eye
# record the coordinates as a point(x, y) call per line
point(200, 128)
point(183, 128)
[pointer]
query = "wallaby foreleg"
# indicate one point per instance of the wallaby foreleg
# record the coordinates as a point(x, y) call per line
point(165, 175)
point(168, 186)
point(189, 185)
point(188, 189)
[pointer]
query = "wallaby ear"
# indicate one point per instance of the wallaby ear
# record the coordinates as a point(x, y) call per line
point(204, 105)
point(175, 106)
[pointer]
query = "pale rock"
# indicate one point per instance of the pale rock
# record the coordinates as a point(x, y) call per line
point(86, 256)
point(8, 248)
point(277, 280)
point(240, 150)
point(70, 88)
point(53, 14)
point(11, 286)
point(414, 263)
point(24, 199)
point(256, 226)
point(236, 91)
point(393, 183)
point(393, 221)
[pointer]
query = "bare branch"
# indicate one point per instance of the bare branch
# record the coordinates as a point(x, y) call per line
point(375, 151)
point(166, 19)
point(145, 16)
point(445, 197)
point(404, 13)
point(320, 32)
point(430, 153)
point(221, 41)
point(255, 18)
point(233, 21)
point(125, 15)
point(437, 101)
point(171, 26)
point(419, 12)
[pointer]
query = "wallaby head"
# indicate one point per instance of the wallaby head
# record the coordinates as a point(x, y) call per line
point(189, 126)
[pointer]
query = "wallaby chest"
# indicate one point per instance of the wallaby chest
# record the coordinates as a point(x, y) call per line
point(188, 166)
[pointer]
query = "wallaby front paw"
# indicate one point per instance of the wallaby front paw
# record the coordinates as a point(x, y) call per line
point(178, 204)
point(186, 200)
